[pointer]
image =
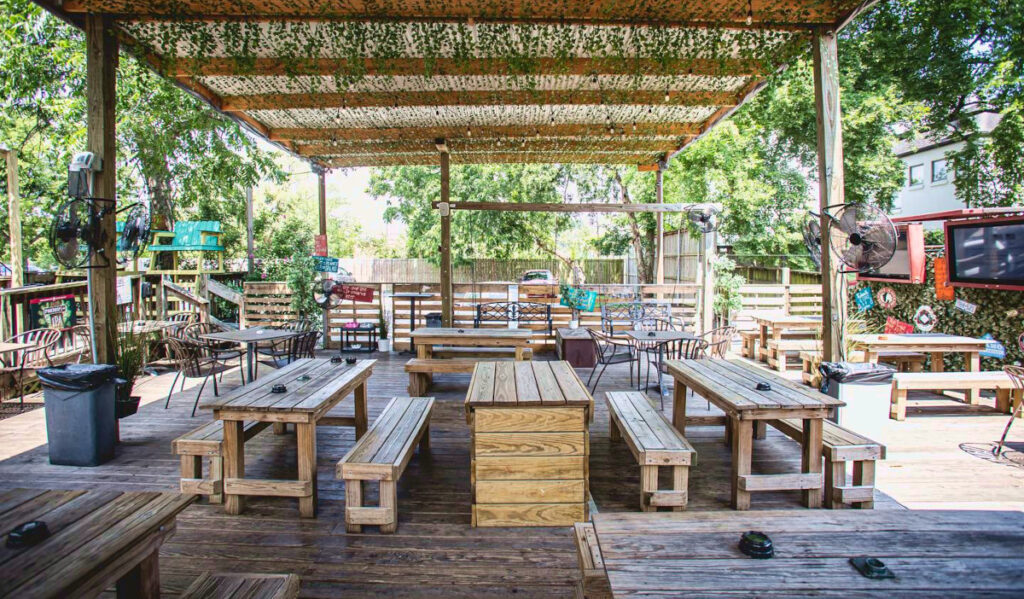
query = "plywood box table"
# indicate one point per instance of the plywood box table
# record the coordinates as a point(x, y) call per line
point(530, 443)
point(576, 347)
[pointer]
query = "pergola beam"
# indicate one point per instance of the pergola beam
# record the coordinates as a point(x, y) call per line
point(483, 131)
point(526, 144)
point(585, 208)
point(510, 157)
point(475, 98)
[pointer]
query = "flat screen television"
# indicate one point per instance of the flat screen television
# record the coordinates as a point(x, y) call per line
point(907, 264)
point(986, 252)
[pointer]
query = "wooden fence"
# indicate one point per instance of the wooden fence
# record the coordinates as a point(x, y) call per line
point(349, 311)
point(400, 271)
point(267, 304)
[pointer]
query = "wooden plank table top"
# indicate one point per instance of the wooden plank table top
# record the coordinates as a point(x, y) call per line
point(97, 538)
point(932, 553)
point(526, 384)
point(775, 325)
point(659, 336)
point(250, 335)
point(313, 387)
point(426, 339)
point(732, 386)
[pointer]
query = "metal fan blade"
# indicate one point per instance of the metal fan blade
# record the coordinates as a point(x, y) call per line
point(67, 251)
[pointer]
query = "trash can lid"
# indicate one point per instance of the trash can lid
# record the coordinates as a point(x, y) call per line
point(77, 377)
point(856, 372)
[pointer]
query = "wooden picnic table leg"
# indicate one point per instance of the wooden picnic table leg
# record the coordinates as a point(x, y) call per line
point(142, 581)
point(519, 353)
point(234, 463)
point(811, 459)
point(937, 365)
point(972, 363)
point(679, 407)
point(870, 357)
point(763, 342)
point(742, 446)
point(361, 420)
point(305, 433)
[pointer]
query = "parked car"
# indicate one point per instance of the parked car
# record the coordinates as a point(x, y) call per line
point(538, 277)
point(343, 276)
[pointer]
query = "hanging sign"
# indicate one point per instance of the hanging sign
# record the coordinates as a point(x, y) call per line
point(124, 290)
point(319, 245)
point(894, 326)
point(578, 299)
point(58, 312)
point(354, 293)
point(887, 298)
point(325, 264)
point(965, 306)
point(943, 290)
point(994, 349)
point(925, 318)
point(865, 301)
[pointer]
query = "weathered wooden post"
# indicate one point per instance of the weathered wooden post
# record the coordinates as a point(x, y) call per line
point(447, 312)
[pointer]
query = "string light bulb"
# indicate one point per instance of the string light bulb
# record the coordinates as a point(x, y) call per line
point(469, 132)
point(750, 12)
point(666, 95)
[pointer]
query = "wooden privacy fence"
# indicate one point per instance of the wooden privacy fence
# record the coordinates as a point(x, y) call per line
point(350, 311)
point(267, 304)
point(402, 270)
point(791, 299)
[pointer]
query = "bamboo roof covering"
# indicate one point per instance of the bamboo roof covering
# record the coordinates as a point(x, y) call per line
point(382, 82)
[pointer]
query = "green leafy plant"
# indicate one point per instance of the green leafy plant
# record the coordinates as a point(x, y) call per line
point(727, 288)
point(130, 350)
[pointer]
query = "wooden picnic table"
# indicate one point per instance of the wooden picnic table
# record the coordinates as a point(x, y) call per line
point(251, 337)
point(732, 386)
point(933, 553)
point(314, 386)
point(775, 325)
point(425, 339)
point(936, 344)
point(97, 538)
point(530, 443)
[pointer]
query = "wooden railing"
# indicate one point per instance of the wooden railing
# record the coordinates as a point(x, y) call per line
point(190, 301)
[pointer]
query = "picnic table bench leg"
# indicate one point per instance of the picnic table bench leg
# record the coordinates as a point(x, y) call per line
point(305, 432)
point(763, 342)
point(972, 363)
point(811, 458)
point(361, 419)
point(519, 353)
point(234, 463)
point(742, 444)
point(864, 476)
point(142, 581)
point(937, 365)
point(679, 407)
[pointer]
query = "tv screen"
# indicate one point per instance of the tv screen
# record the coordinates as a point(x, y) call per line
point(907, 264)
point(986, 253)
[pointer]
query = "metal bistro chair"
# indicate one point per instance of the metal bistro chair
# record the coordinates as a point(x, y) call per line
point(606, 348)
point(281, 351)
point(81, 340)
point(678, 349)
point(294, 348)
point(180, 320)
point(43, 341)
point(719, 341)
point(1016, 374)
point(221, 351)
point(191, 361)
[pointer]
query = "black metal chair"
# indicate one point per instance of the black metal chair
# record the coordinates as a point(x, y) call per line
point(293, 348)
point(222, 351)
point(37, 356)
point(606, 348)
point(191, 361)
point(719, 341)
point(1016, 374)
point(677, 349)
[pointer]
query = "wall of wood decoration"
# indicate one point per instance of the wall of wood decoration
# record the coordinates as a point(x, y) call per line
point(268, 304)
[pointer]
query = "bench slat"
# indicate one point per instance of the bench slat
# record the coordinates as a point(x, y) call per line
point(229, 586)
point(995, 379)
point(208, 438)
point(654, 440)
point(390, 440)
point(839, 443)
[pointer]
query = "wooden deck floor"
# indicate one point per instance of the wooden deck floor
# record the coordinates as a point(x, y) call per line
point(435, 552)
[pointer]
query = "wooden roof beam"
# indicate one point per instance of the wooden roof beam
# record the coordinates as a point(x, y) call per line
point(586, 208)
point(378, 160)
point(474, 98)
point(525, 144)
point(479, 132)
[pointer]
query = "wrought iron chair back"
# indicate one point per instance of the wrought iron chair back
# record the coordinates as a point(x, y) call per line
point(1016, 374)
point(719, 341)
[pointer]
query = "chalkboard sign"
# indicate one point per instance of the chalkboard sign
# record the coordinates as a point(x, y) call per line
point(325, 264)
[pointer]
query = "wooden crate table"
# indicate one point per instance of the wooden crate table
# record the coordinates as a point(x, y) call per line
point(936, 344)
point(932, 553)
point(530, 443)
point(576, 347)
point(314, 386)
point(731, 385)
point(251, 337)
point(425, 339)
point(97, 539)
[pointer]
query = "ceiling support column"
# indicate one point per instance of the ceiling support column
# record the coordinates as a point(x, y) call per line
point(447, 311)
point(14, 218)
point(101, 72)
point(321, 175)
point(830, 189)
point(660, 219)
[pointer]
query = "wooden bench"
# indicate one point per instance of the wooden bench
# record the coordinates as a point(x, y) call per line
point(749, 339)
point(382, 455)
point(488, 353)
point(904, 361)
point(593, 578)
point(840, 446)
point(422, 371)
point(208, 441)
point(243, 586)
point(779, 350)
point(654, 443)
point(996, 380)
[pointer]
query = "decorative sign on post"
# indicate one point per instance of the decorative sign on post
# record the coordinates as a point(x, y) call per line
point(966, 306)
point(894, 326)
point(124, 291)
point(325, 264)
point(578, 299)
point(865, 301)
point(354, 293)
point(319, 245)
point(994, 349)
point(887, 298)
point(925, 318)
point(943, 290)
point(57, 312)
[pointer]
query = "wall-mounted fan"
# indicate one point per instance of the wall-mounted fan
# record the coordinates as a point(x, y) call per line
point(323, 293)
point(135, 235)
point(705, 219)
point(74, 233)
point(861, 236)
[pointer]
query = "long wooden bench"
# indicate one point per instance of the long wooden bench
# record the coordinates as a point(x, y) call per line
point(748, 340)
point(382, 455)
point(488, 353)
point(593, 577)
point(904, 361)
point(840, 446)
point(779, 350)
point(421, 371)
point(1006, 396)
point(655, 443)
point(207, 441)
point(243, 586)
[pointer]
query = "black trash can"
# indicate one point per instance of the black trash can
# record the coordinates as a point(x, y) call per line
point(865, 388)
point(80, 419)
point(433, 320)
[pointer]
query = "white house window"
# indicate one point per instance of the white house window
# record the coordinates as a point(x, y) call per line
point(939, 173)
point(916, 176)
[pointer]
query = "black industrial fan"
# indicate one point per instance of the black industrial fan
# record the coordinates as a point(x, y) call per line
point(705, 220)
point(861, 236)
point(135, 235)
point(74, 233)
point(323, 293)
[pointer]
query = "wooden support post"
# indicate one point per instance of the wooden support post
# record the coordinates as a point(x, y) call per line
point(447, 312)
point(101, 76)
point(830, 187)
point(14, 218)
point(250, 251)
point(321, 176)
point(707, 269)
point(659, 218)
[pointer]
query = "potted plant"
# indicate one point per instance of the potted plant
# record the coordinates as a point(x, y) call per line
point(383, 344)
point(129, 357)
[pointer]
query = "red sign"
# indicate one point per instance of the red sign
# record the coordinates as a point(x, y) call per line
point(943, 290)
point(319, 245)
point(897, 327)
point(354, 293)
